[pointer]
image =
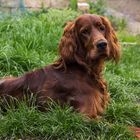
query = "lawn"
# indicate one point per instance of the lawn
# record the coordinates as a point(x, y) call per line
point(30, 41)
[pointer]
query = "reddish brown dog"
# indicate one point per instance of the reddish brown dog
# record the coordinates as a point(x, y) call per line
point(76, 77)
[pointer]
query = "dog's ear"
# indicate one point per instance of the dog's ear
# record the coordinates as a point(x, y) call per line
point(114, 47)
point(67, 44)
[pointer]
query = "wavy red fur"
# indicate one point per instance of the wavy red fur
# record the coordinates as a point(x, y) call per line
point(76, 77)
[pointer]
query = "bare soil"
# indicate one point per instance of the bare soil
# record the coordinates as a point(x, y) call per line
point(128, 7)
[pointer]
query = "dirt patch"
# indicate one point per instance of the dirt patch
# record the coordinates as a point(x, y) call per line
point(128, 7)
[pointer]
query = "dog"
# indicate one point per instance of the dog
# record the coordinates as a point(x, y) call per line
point(75, 78)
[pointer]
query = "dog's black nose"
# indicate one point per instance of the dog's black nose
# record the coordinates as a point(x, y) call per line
point(101, 45)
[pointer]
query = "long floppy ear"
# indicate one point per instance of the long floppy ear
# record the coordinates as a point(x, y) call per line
point(114, 47)
point(67, 44)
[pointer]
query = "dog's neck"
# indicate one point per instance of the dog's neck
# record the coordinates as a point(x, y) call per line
point(93, 69)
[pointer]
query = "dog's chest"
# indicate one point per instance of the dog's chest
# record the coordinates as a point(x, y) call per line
point(73, 82)
point(74, 88)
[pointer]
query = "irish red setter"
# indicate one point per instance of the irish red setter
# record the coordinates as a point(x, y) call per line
point(76, 77)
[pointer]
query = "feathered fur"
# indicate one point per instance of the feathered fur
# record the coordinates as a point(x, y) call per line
point(76, 77)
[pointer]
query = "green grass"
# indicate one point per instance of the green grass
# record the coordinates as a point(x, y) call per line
point(30, 41)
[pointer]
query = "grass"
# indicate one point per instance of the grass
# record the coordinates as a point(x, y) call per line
point(30, 41)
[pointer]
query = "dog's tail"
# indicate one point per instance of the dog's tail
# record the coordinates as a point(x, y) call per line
point(11, 86)
point(29, 83)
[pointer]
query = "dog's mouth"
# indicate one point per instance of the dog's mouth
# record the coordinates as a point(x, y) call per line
point(102, 55)
point(94, 55)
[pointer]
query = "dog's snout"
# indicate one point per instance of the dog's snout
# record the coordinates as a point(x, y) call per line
point(101, 45)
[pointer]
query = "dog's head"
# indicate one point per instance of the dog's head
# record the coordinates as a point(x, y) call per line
point(89, 38)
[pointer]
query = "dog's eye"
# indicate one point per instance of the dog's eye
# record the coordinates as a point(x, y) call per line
point(102, 28)
point(85, 31)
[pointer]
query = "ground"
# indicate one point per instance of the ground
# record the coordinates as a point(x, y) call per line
point(128, 7)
